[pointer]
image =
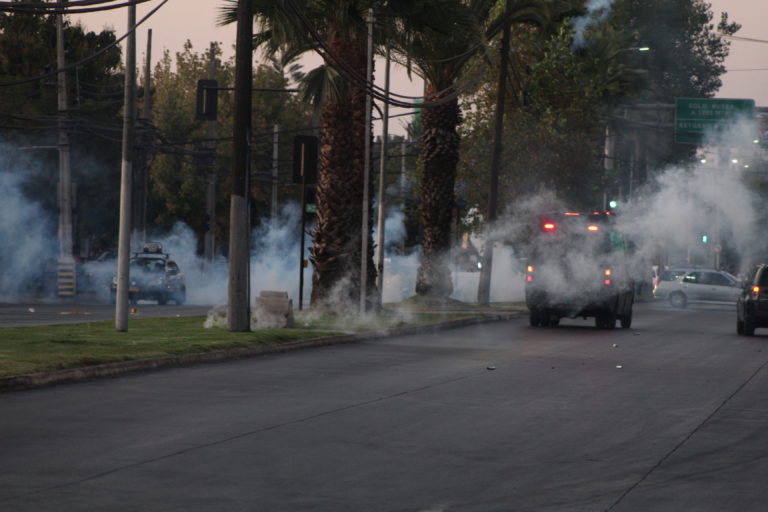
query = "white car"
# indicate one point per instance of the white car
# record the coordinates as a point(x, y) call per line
point(683, 286)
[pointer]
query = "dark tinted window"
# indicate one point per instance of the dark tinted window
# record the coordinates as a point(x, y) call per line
point(693, 278)
point(719, 280)
point(671, 275)
point(763, 276)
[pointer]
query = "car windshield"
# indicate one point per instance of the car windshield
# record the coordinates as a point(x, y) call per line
point(151, 265)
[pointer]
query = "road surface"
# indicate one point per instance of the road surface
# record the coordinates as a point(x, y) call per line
point(670, 415)
point(25, 314)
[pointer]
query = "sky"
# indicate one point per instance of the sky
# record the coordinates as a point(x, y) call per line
point(195, 20)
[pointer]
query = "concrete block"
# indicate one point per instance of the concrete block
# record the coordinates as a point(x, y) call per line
point(273, 309)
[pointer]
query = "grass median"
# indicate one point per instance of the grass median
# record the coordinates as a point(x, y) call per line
point(36, 349)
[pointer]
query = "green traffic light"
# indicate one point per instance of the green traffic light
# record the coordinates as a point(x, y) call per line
point(704, 239)
point(613, 204)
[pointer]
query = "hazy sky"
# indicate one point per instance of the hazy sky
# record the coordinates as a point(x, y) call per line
point(195, 20)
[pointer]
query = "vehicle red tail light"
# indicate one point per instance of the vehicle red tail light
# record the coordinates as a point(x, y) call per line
point(593, 228)
point(607, 273)
point(529, 277)
point(549, 226)
point(755, 292)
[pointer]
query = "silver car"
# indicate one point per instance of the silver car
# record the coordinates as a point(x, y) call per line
point(699, 285)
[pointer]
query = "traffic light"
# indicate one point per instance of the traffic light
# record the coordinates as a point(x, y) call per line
point(206, 106)
point(704, 238)
point(613, 204)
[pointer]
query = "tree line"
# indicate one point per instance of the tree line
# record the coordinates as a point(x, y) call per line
point(563, 88)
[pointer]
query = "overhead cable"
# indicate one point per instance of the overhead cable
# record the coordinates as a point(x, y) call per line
point(90, 57)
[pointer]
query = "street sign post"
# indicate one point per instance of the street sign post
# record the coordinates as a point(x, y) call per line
point(696, 116)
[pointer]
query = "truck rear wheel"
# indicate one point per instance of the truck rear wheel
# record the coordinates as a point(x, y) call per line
point(534, 317)
point(605, 321)
point(626, 320)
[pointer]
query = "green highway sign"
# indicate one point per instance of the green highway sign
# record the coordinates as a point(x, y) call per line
point(696, 116)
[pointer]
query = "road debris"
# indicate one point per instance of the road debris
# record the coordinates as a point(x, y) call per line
point(490, 367)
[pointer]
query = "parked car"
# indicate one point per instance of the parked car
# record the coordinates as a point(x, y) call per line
point(697, 285)
point(752, 304)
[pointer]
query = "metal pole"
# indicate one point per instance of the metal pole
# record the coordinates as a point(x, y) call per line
point(402, 185)
point(66, 271)
point(210, 196)
point(126, 176)
point(275, 154)
point(366, 171)
point(238, 292)
point(484, 288)
point(141, 169)
point(382, 187)
point(303, 229)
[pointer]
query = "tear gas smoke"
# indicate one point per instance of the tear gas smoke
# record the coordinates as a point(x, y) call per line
point(28, 246)
point(664, 220)
point(597, 11)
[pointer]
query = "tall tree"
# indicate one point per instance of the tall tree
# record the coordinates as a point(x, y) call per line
point(29, 106)
point(443, 60)
point(337, 30)
point(688, 52)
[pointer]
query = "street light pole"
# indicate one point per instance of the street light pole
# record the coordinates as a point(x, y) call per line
point(126, 177)
point(366, 172)
point(484, 287)
point(382, 186)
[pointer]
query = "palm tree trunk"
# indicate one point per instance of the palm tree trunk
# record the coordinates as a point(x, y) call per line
point(440, 156)
point(336, 252)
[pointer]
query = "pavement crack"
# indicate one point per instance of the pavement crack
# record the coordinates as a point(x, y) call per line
point(686, 438)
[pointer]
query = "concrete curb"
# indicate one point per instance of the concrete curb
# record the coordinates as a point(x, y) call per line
point(43, 379)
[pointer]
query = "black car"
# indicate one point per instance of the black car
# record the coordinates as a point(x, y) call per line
point(752, 304)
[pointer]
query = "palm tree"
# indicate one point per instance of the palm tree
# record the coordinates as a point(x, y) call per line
point(442, 61)
point(337, 30)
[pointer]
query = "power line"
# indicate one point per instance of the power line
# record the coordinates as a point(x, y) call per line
point(89, 58)
point(364, 82)
point(746, 39)
point(73, 7)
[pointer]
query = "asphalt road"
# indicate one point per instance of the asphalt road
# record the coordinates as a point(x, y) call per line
point(670, 415)
point(62, 312)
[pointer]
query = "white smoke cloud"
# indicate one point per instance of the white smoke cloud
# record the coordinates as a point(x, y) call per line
point(597, 11)
point(28, 245)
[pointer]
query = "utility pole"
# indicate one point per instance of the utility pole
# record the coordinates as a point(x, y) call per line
point(210, 196)
point(382, 186)
point(238, 290)
point(141, 169)
point(275, 154)
point(484, 288)
point(126, 176)
point(402, 185)
point(366, 172)
point(66, 286)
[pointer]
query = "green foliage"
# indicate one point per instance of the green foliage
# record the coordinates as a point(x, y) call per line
point(29, 111)
point(561, 98)
point(183, 157)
